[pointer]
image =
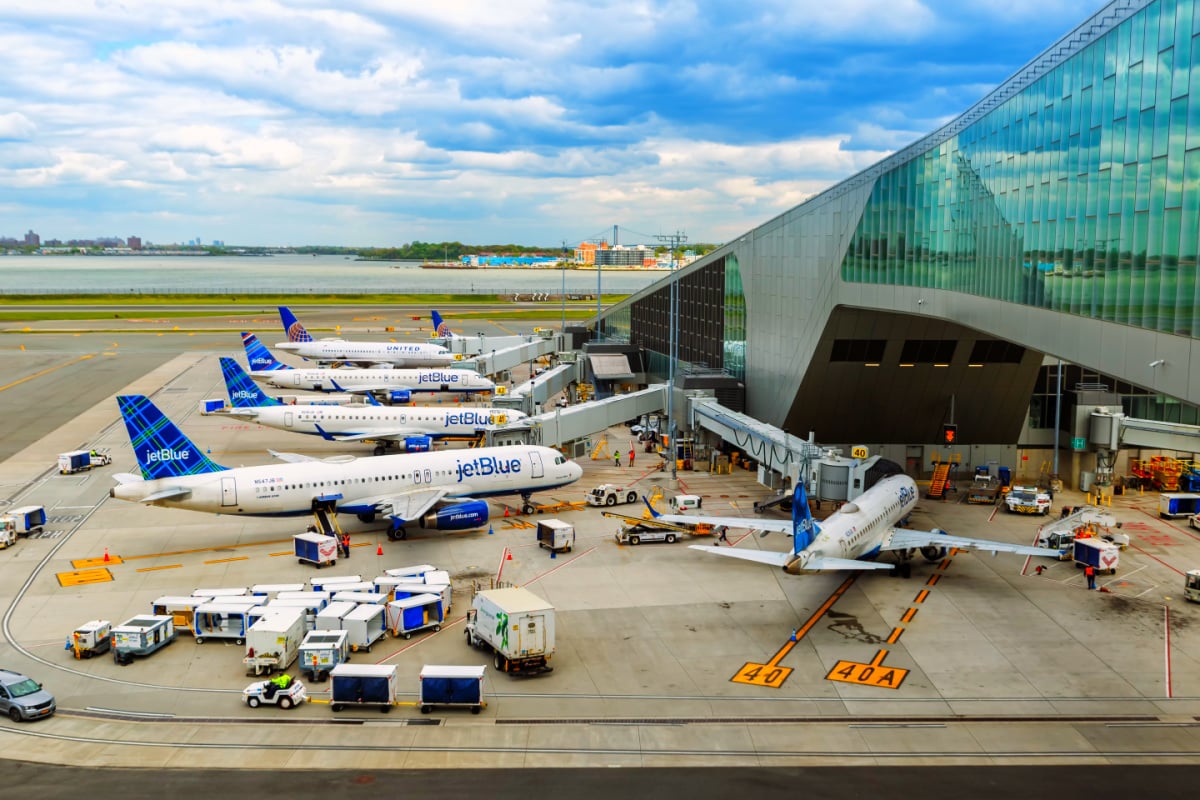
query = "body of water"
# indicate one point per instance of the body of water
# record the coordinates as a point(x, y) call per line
point(291, 274)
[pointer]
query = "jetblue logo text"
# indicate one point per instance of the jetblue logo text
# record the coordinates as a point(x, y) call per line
point(907, 495)
point(437, 377)
point(167, 454)
point(242, 394)
point(469, 418)
point(487, 465)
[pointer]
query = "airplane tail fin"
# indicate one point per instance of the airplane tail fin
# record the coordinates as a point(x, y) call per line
point(292, 327)
point(243, 392)
point(161, 449)
point(259, 356)
point(440, 326)
point(804, 529)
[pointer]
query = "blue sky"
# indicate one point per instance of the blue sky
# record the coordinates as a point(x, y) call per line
point(379, 122)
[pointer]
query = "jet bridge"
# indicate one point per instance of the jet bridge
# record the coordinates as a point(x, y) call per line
point(496, 361)
point(573, 427)
point(1109, 430)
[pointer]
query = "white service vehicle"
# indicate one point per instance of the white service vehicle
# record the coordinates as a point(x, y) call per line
point(609, 494)
point(288, 695)
point(636, 534)
point(1027, 500)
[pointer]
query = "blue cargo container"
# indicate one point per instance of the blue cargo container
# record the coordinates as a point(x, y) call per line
point(451, 686)
point(315, 548)
point(411, 614)
point(363, 685)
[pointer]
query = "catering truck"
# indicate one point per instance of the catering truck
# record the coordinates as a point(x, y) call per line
point(516, 625)
point(273, 642)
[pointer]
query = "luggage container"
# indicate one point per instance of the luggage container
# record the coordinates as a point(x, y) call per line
point(1191, 585)
point(272, 590)
point(182, 610)
point(141, 636)
point(310, 608)
point(402, 590)
point(233, 591)
point(91, 638)
point(411, 614)
point(329, 583)
point(315, 548)
point(1100, 555)
point(385, 585)
point(28, 519)
point(321, 597)
point(417, 572)
point(331, 616)
point(321, 651)
point(451, 686)
point(366, 625)
point(374, 598)
point(223, 620)
point(555, 535)
point(363, 685)
point(359, 586)
point(273, 642)
point(1178, 504)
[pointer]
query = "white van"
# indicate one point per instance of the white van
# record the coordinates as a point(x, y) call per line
point(683, 503)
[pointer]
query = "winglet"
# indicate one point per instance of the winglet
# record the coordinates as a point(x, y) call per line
point(243, 392)
point(258, 356)
point(292, 327)
point(161, 449)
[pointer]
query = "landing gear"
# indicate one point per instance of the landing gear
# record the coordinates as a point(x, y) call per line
point(396, 532)
point(527, 507)
point(368, 516)
point(380, 449)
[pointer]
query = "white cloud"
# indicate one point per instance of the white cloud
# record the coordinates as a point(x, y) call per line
point(15, 125)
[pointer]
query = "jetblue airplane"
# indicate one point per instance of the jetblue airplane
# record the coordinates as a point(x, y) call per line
point(409, 427)
point(436, 491)
point(395, 383)
point(328, 351)
point(853, 536)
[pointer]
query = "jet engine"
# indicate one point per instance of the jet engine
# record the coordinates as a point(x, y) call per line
point(932, 552)
point(400, 396)
point(458, 517)
point(417, 444)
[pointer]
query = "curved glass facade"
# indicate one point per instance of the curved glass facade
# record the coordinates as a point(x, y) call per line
point(1080, 193)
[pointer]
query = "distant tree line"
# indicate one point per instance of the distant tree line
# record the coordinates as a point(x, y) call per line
point(449, 251)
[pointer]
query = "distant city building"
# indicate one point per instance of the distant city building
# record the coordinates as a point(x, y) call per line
point(621, 256)
point(32, 239)
point(135, 242)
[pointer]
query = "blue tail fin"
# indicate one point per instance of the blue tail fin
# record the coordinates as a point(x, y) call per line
point(804, 529)
point(292, 327)
point(259, 356)
point(243, 392)
point(440, 326)
point(161, 449)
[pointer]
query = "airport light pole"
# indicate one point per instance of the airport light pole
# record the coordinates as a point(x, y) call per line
point(674, 240)
point(563, 327)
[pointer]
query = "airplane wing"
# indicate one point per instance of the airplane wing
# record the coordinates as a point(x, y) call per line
point(291, 458)
point(127, 477)
point(782, 559)
point(902, 539)
point(772, 525)
point(411, 505)
point(392, 434)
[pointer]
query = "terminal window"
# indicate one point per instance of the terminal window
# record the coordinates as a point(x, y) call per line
point(860, 350)
point(927, 351)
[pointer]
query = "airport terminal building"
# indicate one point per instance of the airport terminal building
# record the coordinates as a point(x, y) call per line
point(1056, 220)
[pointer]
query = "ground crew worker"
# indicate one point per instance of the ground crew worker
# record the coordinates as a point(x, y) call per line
point(631, 456)
point(1090, 572)
point(346, 544)
point(616, 459)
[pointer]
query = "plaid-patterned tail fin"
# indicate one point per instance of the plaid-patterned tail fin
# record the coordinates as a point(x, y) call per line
point(161, 449)
point(243, 392)
point(258, 356)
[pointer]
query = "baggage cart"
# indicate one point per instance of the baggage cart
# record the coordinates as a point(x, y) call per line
point(330, 617)
point(231, 591)
point(374, 598)
point(363, 685)
point(272, 590)
point(223, 620)
point(416, 572)
point(91, 639)
point(411, 614)
point(181, 609)
point(322, 598)
point(321, 651)
point(315, 548)
point(28, 519)
point(141, 636)
point(273, 642)
point(443, 590)
point(1100, 555)
point(310, 609)
point(366, 624)
point(328, 583)
point(555, 535)
point(451, 686)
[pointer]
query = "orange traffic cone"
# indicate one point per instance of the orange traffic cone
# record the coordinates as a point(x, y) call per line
point(379, 549)
point(106, 559)
point(508, 556)
point(506, 511)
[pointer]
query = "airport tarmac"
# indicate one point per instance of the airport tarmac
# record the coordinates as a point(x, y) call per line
point(666, 656)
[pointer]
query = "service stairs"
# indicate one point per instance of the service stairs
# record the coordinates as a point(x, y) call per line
point(937, 484)
point(327, 521)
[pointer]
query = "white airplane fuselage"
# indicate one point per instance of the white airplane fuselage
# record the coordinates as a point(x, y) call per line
point(351, 380)
point(361, 420)
point(857, 529)
point(288, 489)
point(397, 353)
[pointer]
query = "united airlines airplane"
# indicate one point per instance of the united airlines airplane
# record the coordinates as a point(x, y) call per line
point(329, 351)
point(436, 491)
point(412, 428)
point(853, 536)
point(394, 383)
point(441, 328)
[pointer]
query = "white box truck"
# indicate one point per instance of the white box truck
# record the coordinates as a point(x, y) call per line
point(516, 625)
point(273, 642)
